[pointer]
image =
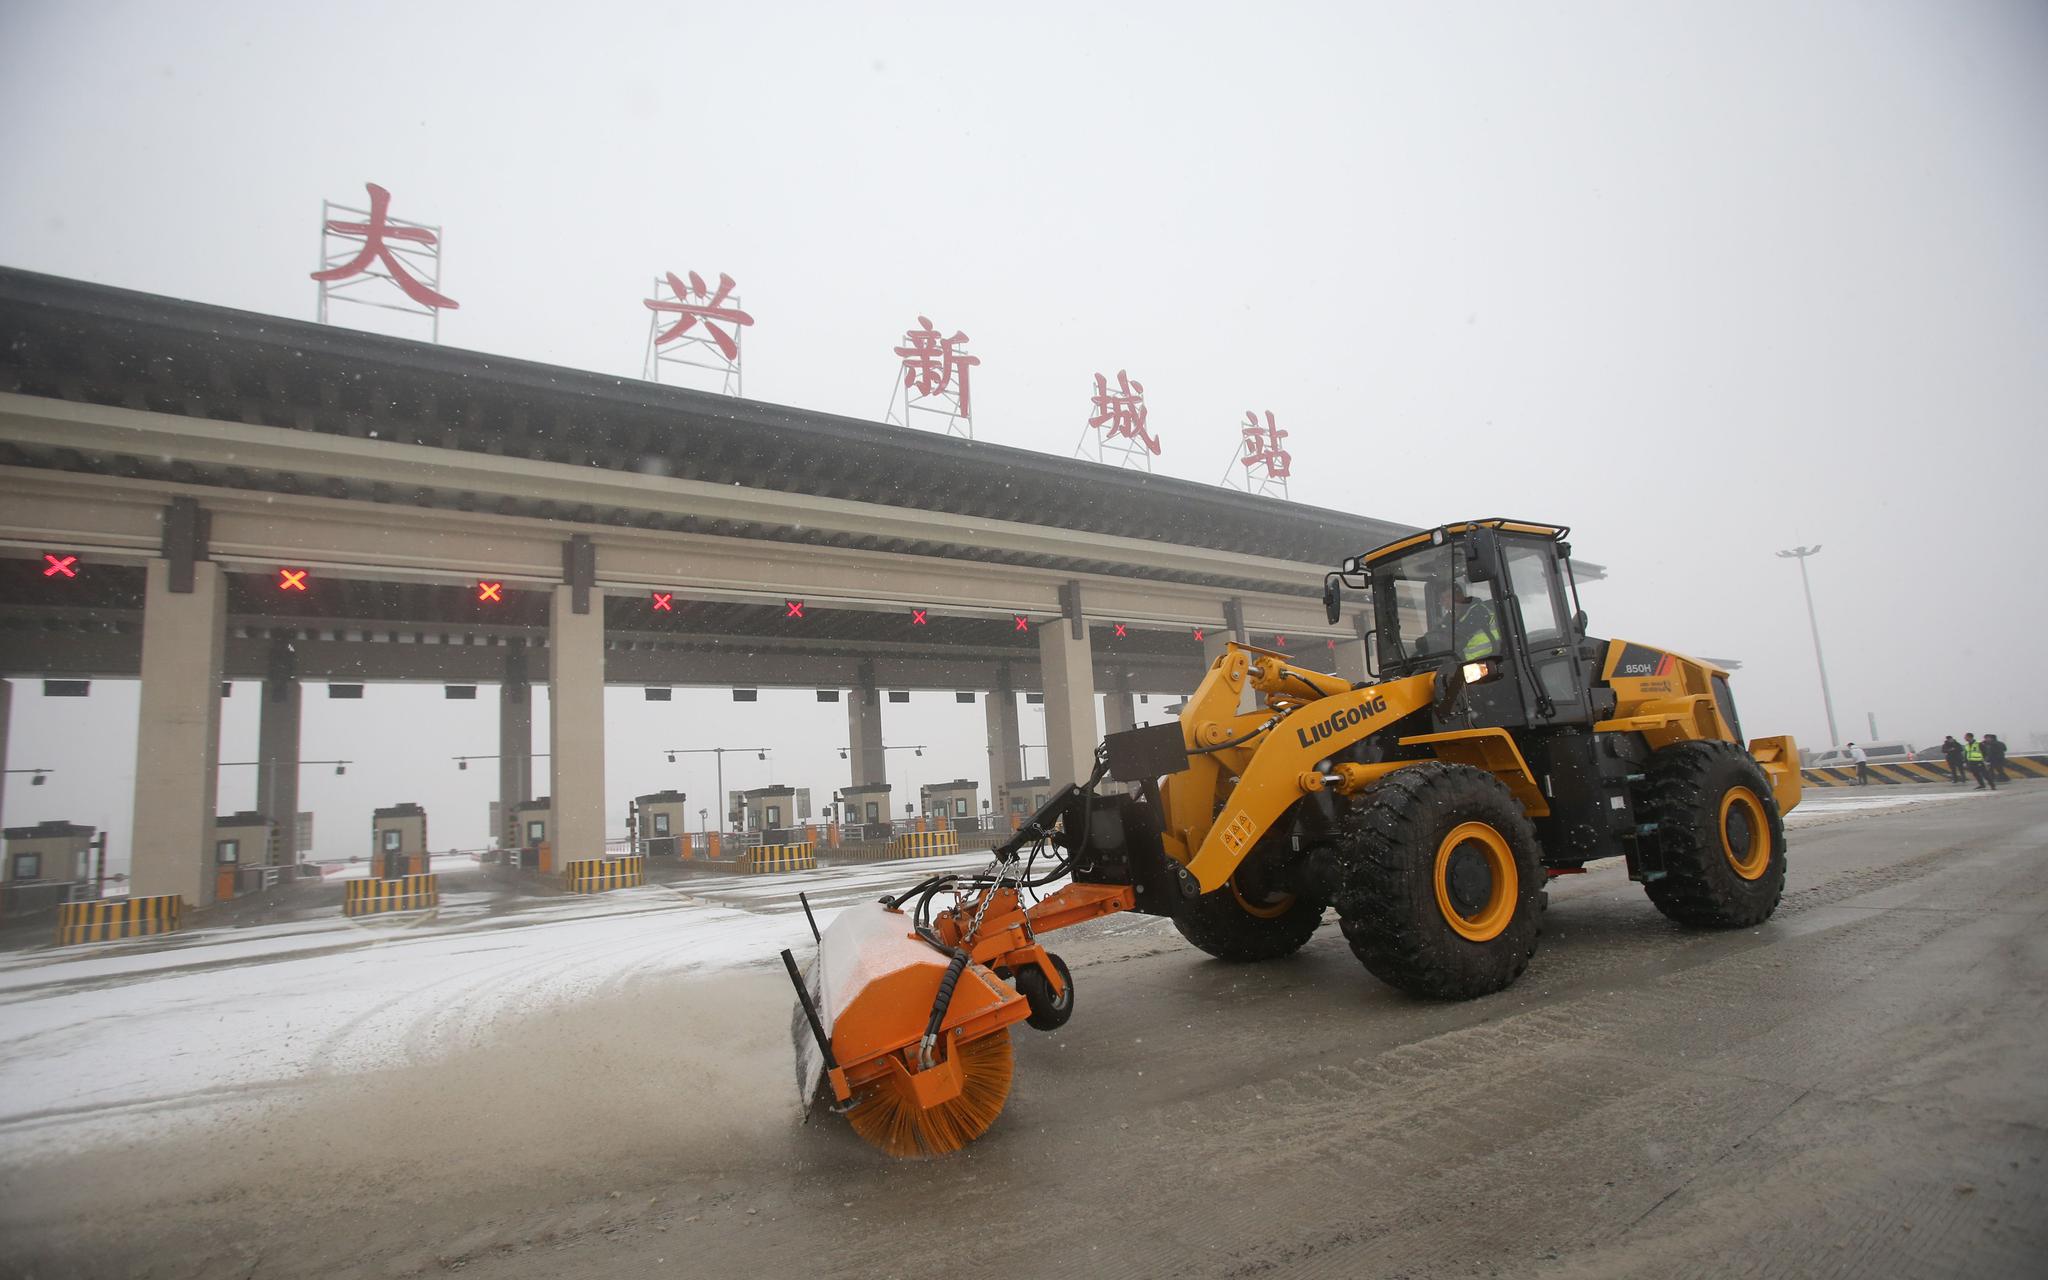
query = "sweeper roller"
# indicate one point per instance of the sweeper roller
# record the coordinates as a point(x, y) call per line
point(1496, 745)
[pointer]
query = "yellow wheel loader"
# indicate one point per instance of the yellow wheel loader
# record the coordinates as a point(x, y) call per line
point(1497, 745)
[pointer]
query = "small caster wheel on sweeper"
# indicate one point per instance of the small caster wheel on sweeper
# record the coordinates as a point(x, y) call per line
point(1047, 1014)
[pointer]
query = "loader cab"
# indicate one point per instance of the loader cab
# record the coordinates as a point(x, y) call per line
point(1493, 599)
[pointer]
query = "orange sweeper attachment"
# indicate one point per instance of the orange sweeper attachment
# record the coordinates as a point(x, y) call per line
point(1494, 744)
point(903, 1015)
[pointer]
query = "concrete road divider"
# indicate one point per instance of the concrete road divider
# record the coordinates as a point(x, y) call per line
point(1892, 773)
point(113, 918)
point(782, 857)
point(403, 893)
point(924, 844)
point(595, 875)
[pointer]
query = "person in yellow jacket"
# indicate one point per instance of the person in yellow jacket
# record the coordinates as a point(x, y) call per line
point(1478, 624)
point(1973, 756)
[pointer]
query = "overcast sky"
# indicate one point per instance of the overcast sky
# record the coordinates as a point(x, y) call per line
point(1703, 281)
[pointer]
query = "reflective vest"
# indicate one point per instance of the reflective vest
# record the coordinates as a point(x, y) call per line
point(1480, 635)
point(1973, 752)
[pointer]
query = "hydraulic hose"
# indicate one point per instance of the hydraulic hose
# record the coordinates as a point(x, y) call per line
point(927, 1047)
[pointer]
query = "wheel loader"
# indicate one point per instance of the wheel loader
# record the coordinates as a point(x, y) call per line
point(1496, 745)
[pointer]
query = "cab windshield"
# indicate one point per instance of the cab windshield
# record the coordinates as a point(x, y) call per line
point(1426, 607)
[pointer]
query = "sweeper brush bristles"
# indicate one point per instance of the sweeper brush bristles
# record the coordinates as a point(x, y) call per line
point(895, 1123)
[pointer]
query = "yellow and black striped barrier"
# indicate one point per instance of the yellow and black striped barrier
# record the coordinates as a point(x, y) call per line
point(924, 844)
point(766, 858)
point(112, 918)
point(1892, 773)
point(595, 875)
point(401, 893)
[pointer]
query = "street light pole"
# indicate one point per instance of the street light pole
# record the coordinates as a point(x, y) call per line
point(719, 753)
point(1828, 699)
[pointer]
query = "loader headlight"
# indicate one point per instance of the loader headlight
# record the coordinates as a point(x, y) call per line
point(1479, 672)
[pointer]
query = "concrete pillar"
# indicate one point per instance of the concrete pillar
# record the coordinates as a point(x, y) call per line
point(1119, 711)
point(277, 764)
point(864, 736)
point(1068, 669)
point(6, 711)
point(515, 743)
point(1213, 641)
point(1005, 747)
point(1351, 660)
point(177, 738)
point(576, 725)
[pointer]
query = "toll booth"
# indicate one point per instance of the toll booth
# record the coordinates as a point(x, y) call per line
point(778, 813)
point(242, 844)
point(1027, 796)
point(398, 842)
point(660, 823)
point(862, 807)
point(533, 826)
point(951, 804)
point(59, 852)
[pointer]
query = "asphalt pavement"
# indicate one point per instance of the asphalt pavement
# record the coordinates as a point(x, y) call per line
point(1854, 1088)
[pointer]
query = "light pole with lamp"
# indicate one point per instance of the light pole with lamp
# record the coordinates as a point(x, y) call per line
point(760, 753)
point(1828, 699)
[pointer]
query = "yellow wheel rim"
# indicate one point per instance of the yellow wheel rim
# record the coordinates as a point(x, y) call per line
point(1264, 911)
point(1476, 911)
point(1745, 834)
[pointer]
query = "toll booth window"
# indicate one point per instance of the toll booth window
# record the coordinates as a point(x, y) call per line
point(1016, 804)
point(874, 811)
point(391, 842)
point(1530, 572)
point(959, 807)
point(661, 824)
point(774, 816)
point(28, 866)
point(225, 851)
point(536, 831)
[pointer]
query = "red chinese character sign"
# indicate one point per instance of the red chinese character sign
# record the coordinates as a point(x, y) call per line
point(1117, 427)
point(376, 260)
point(1262, 464)
point(935, 379)
point(692, 325)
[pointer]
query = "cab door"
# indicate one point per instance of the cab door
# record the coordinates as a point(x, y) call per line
point(1555, 692)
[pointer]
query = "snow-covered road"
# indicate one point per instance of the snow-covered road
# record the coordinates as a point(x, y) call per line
point(98, 1040)
point(101, 1041)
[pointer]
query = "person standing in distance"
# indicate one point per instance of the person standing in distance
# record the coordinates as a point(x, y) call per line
point(1952, 751)
point(1994, 758)
point(1862, 765)
point(1973, 755)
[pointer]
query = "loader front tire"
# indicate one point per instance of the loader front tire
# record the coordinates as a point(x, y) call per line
point(1240, 928)
point(1719, 836)
point(1443, 885)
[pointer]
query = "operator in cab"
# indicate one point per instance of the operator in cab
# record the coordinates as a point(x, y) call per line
point(1472, 620)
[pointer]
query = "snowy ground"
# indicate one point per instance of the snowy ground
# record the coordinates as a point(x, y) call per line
point(1820, 803)
point(97, 1042)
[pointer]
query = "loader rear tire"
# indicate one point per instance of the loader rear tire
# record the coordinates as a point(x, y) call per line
point(1719, 834)
point(1231, 927)
point(1443, 884)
